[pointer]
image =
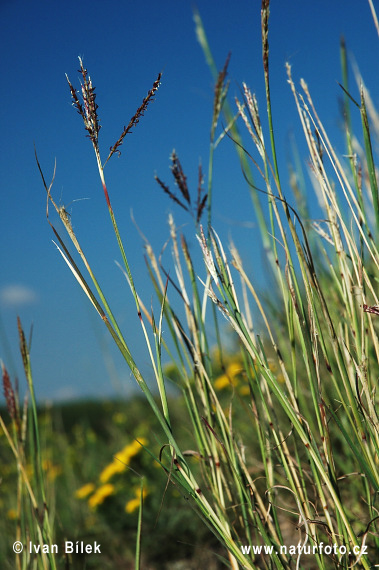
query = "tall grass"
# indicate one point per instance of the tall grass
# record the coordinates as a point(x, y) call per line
point(289, 456)
point(34, 521)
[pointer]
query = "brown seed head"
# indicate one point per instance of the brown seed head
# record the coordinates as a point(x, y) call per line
point(88, 109)
point(9, 394)
point(136, 117)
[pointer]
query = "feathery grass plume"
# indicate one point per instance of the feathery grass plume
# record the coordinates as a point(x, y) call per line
point(265, 14)
point(92, 112)
point(13, 404)
point(171, 194)
point(202, 197)
point(181, 182)
point(220, 93)
point(23, 346)
point(136, 117)
point(220, 97)
point(253, 122)
point(88, 109)
point(179, 177)
point(207, 255)
point(106, 313)
point(374, 309)
point(9, 395)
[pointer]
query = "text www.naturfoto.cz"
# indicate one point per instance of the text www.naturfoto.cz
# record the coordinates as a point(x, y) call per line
point(305, 549)
point(257, 549)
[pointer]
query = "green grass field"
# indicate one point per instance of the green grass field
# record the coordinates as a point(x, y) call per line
point(271, 443)
point(79, 442)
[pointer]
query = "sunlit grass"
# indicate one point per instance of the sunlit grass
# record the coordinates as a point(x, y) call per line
point(277, 441)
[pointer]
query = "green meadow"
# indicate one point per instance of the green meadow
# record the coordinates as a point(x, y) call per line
point(261, 427)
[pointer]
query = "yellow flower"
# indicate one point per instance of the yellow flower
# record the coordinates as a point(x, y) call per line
point(133, 504)
point(130, 450)
point(228, 379)
point(244, 390)
point(234, 369)
point(100, 495)
point(110, 470)
point(121, 460)
point(84, 491)
point(222, 382)
point(12, 514)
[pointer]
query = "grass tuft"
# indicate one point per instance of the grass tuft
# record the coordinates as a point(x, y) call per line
point(273, 441)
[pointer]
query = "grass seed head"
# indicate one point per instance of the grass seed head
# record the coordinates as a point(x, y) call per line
point(88, 109)
point(136, 117)
point(9, 394)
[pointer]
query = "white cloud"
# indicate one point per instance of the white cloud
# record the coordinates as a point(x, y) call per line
point(16, 295)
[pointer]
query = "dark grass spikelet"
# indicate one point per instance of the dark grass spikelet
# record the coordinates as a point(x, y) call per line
point(136, 117)
point(181, 182)
point(221, 89)
point(201, 200)
point(75, 100)
point(184, 246)
point(374, 309)
point(179, 177)
point(23, 347)
point(167, 191)
point(11, 398)
point(9, 394)
point(265, 13)
point(88, 109)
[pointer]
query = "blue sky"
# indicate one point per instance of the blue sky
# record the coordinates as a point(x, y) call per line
point(124, 46)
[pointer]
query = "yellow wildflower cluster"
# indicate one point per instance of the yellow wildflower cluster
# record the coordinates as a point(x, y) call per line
point(84, 491)
point(133, 504)
point(110, 470)
point(118, 465)
point(230, 376)
point(100, 495)
point(234, 376)
point(122, 459)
